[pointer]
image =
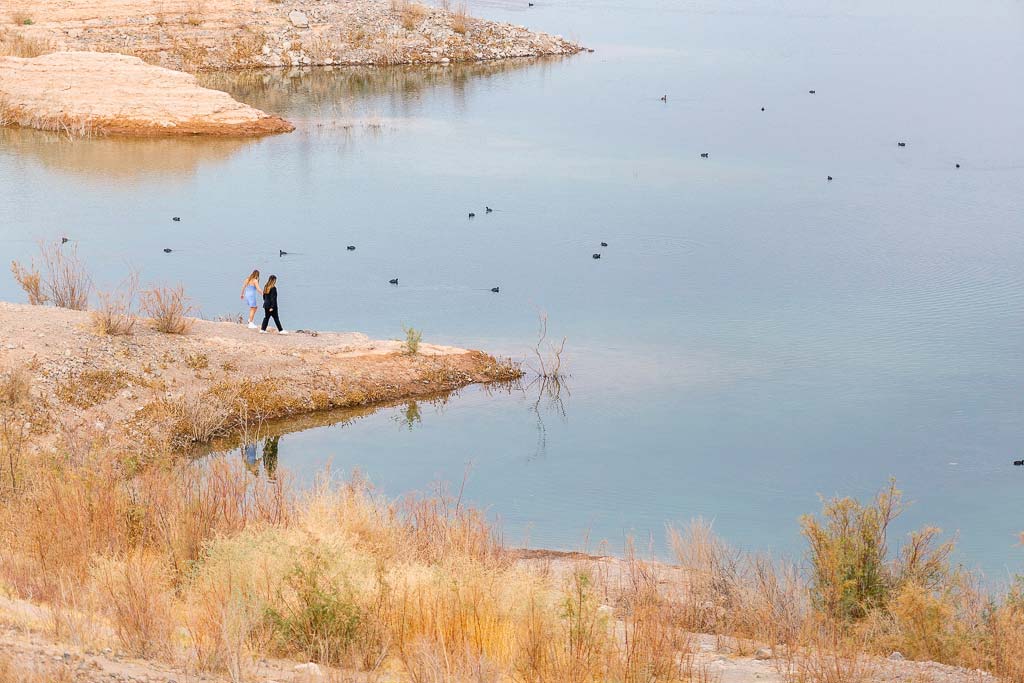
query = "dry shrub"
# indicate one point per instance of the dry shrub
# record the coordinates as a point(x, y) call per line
point(136, 595)
point(31, 282)
point(115, 313)
point(15, 425)
point(732, 593)
point(62, 280)
point(195, 13)
point(168, 308)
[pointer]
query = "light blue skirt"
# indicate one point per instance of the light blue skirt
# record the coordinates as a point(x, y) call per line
point(252, 296)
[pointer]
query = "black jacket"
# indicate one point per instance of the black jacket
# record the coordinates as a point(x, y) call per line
point(270, 299)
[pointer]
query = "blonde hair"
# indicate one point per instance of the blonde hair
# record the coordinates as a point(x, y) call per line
point(254, 276)
point(271, 282)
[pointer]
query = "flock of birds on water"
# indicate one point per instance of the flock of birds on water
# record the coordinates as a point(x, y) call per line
point(351, 247)
point(705, 155)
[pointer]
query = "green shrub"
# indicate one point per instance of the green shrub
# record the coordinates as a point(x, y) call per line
point(412, 340)
point(314, 619)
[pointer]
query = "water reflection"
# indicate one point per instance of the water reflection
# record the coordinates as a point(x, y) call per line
point(265, 454)
point(100, 159)
point(313, 92)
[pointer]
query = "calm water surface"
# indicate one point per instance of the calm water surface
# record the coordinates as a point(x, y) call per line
point(752, 337)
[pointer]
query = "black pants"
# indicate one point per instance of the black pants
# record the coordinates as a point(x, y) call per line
point(267, 315)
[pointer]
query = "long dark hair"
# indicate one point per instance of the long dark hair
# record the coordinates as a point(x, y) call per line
point(271, 283)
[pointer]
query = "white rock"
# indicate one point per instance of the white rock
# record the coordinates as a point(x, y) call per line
point(897, 656)
point(763, 653)
point(298, 19)
point(311, 670)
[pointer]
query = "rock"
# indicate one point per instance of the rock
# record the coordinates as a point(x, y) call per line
point(298, 19)
point(897, 656)
point(763, 653)
point(310, 670)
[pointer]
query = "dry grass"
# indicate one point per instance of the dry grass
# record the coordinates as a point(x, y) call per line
point(31, 282)
point(14, 670)
point(168, 308)
point(460, 19)
point(197, 361)
point(62, 279)
point(17, 44)
point(92, 387)
point(411, 15)
point(246, 47)
point(115, 312)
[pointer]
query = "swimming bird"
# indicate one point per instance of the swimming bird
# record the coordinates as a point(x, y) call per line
point(604, 244)
point(489, 209)
point(495, 289)
point(393, 281)
point(811, 91)
point(281, 252)
point(65, 240)
point(530, 4)
point(472, 215)
point(596, 256)
point(1019, 463)
point(830, 178)
point(664, 98)
point(704, 155)
point(351, 247)
point(762, 108)
point(901, 144)
point(176, 219)
point(958, 165)
point(167, 251)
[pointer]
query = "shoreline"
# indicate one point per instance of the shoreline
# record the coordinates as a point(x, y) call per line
point(148, 391)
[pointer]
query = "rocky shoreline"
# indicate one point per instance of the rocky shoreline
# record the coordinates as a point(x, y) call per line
point(197, 35)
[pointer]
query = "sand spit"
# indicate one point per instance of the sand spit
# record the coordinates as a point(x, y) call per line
point(195, 35)
point(149, 391)
point(83, 93)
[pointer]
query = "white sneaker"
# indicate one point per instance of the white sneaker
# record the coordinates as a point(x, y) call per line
point(252, 326)
point(263, 331)
point(283, 332)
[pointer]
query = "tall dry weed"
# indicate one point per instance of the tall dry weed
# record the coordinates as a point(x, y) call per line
point(169, 309)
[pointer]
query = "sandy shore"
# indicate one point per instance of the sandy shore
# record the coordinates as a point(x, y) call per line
point(150, 391)
point(85, 93)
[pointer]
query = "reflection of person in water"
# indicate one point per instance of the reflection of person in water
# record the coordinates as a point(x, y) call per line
point(270, 455)
point(249, 453)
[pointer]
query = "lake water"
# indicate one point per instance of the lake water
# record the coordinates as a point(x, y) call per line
point(753, 336)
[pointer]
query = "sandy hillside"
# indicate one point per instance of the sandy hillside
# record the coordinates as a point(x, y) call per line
point(205, 34)
point(93, 92)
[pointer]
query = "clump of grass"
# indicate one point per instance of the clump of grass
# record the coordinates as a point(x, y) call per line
point(197, 361)
point(15, 425)
point(412, 340)
point(168, 309)
point(21, 18)
point(412, 15)
point(62, 280)
point(92, 387)
point(17, 44)
point(460, 19)
point(115, 312)
point(195, 13)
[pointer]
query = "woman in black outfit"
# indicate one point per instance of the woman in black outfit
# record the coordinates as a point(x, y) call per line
point(270, 306)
